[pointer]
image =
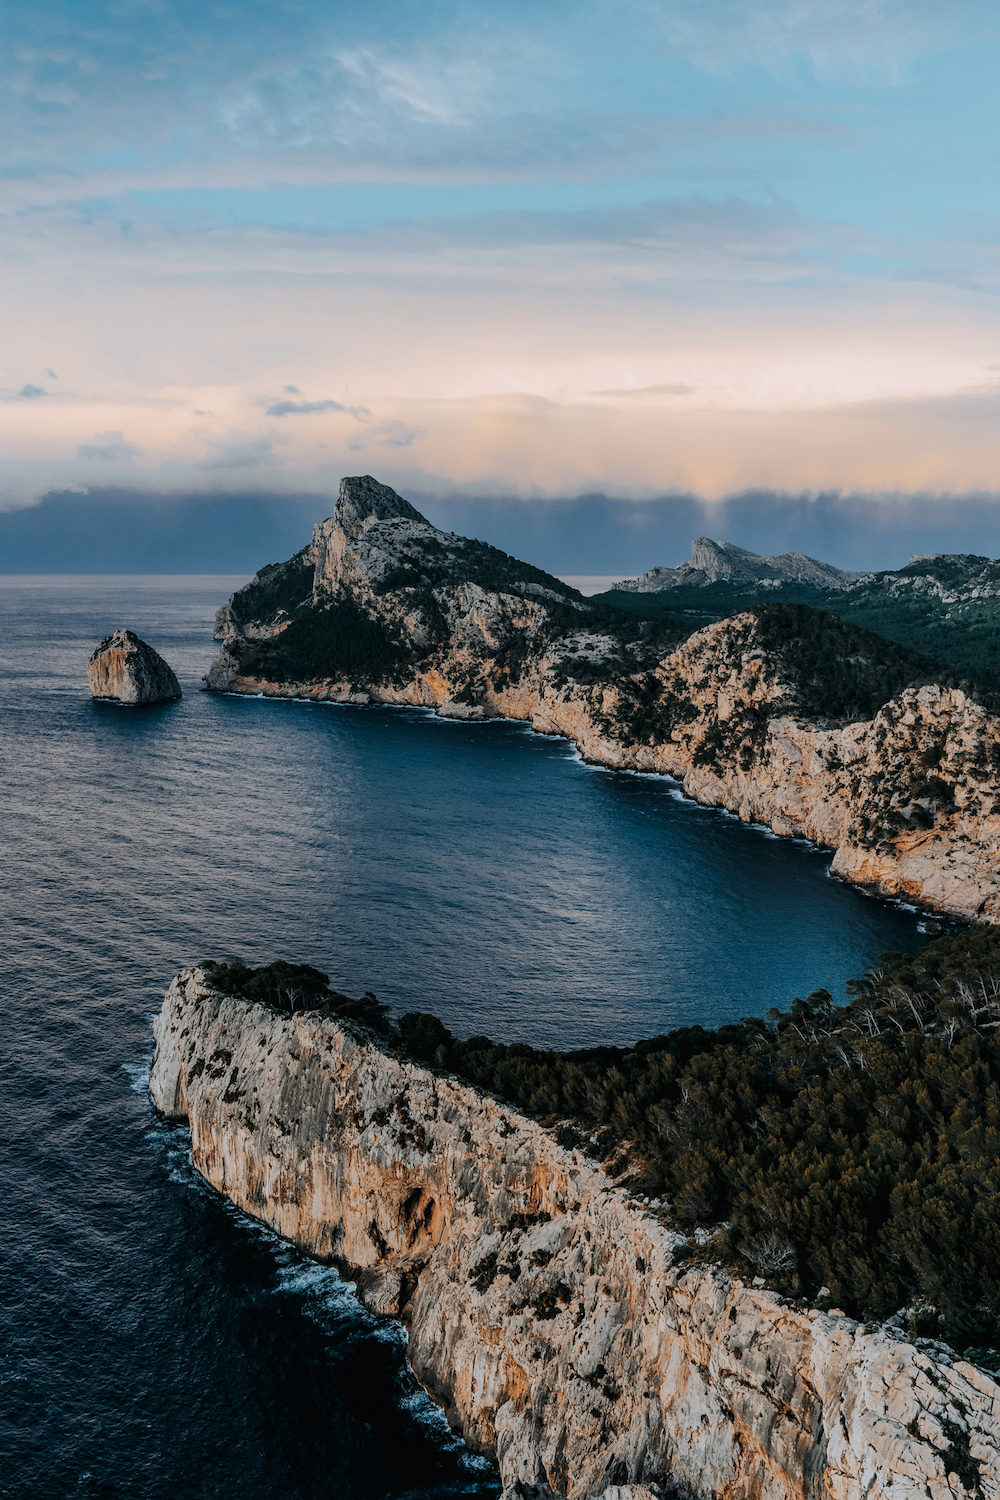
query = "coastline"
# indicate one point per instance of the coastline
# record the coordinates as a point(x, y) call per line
point(563, 1328)
point(941, 918)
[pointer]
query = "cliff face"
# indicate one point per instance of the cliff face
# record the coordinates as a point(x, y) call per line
point(813, 734)
point(561, 1326)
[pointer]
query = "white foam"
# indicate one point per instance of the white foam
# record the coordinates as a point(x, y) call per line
point(138, 1076)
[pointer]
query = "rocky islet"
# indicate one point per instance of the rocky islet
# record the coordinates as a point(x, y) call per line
point(126, 670)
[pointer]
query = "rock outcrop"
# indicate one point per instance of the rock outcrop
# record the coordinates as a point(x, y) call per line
point(566, 1332)
point(789, 718)
point(723, 562)
point(126, 670)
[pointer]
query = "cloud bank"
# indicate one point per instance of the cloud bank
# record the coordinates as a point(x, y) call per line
point(698, 246)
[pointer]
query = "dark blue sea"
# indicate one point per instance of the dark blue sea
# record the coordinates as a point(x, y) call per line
point(153, 1342)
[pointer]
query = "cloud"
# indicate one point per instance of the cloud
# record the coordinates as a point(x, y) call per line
point(837, 38)
point(386, 434)
point(26, 393)
point(310, 408)
point(714, 228)
point(291, 390)
point(51, 375)
point(649, 390)
point(109, 445)
point(254, 455)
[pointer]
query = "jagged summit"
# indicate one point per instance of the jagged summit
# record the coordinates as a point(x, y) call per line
point(723, 562)
point(382, 582)
point(371, 524)
point(362, 498)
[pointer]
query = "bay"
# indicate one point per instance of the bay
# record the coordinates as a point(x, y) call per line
point(156, 1343)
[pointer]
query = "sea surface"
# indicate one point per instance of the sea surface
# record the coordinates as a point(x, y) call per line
point(153, 1341)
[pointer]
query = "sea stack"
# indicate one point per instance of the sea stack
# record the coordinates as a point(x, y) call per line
point(126, 670)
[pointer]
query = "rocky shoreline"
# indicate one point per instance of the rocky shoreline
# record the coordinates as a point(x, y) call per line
point(565, 1330)
point(382, 607)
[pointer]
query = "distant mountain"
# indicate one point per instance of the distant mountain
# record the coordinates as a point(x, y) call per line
point(723, 562)
point(944, 604)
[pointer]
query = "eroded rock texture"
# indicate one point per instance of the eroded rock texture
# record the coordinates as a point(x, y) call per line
point(124, 668)
point(556, 1321)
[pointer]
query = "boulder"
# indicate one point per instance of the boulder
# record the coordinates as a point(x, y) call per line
point(125, 669)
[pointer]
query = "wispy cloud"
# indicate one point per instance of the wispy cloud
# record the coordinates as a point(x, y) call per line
point(231, 456)
point(110, 446)
point(311, 408)
point(639, 391)
point(390, 433)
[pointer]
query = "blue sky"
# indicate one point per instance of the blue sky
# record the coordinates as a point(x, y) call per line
point(541, 250)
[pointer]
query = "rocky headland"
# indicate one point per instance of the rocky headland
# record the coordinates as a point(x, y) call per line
point(783, 714)
point(127, 670)
point(567, 1332)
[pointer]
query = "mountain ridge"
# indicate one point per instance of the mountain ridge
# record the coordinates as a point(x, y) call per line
point(945, 604)
point(724, 562)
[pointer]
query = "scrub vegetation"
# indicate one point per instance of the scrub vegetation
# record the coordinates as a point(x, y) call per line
point(292, 989)
point(848, 1152)
point(340, 640)
point(851, 1147)
point(838, 670)
point(954, 625)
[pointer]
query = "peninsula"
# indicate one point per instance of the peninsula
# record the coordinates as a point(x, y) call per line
point(568, 1329)
point(784, 714)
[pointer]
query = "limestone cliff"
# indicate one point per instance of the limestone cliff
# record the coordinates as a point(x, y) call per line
point(564, 1329)
point(786, 716)
point(125, 669)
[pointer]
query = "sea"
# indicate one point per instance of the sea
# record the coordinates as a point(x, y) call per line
point(154, 1342)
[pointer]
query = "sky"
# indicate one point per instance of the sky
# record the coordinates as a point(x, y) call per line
point(633, 247)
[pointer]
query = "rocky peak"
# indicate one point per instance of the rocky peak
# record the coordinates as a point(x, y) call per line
point(969, 560)
point(360, 502)
point(724, 562)
point(362, 498)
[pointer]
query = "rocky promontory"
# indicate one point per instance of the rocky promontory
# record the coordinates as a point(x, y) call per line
point(566, 1331)
point(784, 714)
point(127, 670)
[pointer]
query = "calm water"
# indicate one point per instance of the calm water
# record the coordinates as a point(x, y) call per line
point(152, 1341)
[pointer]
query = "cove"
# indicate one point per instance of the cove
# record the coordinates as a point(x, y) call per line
point(156, 1344)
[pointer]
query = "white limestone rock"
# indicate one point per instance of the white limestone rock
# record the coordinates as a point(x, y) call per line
point(433, 1195)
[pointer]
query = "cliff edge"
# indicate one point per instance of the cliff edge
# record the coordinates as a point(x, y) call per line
point(565, 1331)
